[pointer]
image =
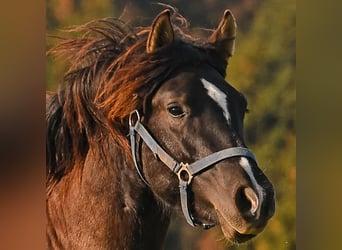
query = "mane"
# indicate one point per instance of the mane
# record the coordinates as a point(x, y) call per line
point(110, 75)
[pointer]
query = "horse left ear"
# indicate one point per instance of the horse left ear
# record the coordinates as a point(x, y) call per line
point(161, 33)
point(223, 38)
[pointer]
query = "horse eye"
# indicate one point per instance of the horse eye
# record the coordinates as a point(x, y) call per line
point(175, 110)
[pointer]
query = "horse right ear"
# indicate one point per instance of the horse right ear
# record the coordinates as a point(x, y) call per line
point(161, 33)
point(223, 38)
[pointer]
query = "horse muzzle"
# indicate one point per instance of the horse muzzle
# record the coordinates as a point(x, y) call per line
point(246, 208)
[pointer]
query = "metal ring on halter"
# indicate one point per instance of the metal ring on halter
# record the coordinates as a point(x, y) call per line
point(184, 173)
point(131, 117)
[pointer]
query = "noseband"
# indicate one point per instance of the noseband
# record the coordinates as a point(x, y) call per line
point(185, 171)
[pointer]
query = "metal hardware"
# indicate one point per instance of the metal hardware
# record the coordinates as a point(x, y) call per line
point(184, 173)
point(132, 115)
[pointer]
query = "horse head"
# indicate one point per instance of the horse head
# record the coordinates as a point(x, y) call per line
point(196, 114)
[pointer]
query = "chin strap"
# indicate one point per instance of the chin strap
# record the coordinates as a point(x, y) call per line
point(185, 172)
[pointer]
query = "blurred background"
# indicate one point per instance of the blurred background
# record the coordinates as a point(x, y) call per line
point(263, 68)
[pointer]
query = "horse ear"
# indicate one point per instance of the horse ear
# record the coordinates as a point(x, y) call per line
point(161, 33)
point(223, 37)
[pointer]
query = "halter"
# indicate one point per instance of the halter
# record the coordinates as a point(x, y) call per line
point(185, 171)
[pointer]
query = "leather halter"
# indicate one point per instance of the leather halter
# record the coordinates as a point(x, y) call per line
point(185, 172)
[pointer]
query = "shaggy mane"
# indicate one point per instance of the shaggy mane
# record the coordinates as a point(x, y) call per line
point(110, 75)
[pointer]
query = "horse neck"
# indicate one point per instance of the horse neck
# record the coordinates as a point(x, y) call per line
point(105, 207)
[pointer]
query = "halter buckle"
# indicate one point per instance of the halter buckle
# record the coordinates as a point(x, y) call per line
point(184, 173)
point(134, 117)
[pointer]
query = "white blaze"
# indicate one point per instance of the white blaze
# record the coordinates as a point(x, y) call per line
point(221, 99)
point(218, 96)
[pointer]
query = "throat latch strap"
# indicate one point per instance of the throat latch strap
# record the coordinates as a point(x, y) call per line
point(185, 172)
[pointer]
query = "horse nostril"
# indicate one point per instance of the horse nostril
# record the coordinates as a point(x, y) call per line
point(253, 198)
point(247, 201)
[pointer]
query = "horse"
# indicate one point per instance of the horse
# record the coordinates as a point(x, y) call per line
point(145, 125)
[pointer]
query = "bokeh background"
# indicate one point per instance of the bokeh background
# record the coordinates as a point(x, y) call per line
point(263, 68)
